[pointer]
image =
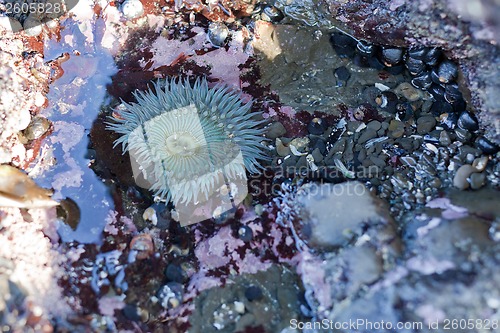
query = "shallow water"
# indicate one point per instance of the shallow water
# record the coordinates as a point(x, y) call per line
point(75, 100)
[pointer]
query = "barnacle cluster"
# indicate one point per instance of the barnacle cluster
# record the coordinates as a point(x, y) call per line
point(185, 140)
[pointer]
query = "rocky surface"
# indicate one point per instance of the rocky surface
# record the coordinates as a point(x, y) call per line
point(336, 215)
point(468, 36)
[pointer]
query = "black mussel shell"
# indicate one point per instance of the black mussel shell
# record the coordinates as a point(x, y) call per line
point(344, 46)
point(271, 14)
point(447, 71)
point(316, 126)
point(486, 146)
point(422, 81)
point(432, 57)
point(417, 53)
point(452, 92)
point(468, 121)
point(404, 111)
point(365, 48)
point(440, 107)
point(387, 101)
point(392, 56)
point(396, 69)
point(415, 66)
point(450, 122)
point(437, 92)
point(342, 74)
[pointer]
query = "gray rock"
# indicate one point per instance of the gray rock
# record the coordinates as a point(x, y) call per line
point(477, 180)
point(334, 215)
point(366, 135)
point(219, 310)
point(460, 179)
point(374, 125)
point(425, 124)
point(444, 138)
point(275, 130)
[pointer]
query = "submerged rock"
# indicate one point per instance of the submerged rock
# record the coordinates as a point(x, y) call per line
point(261, 302)
point(339, 213)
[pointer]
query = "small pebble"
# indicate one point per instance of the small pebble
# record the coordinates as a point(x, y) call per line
point(32, 26)
point(175, 273)
point(342, 74)
point(319, 144)
point(425, 124)
point(352, 126)
point(275, 130)
point(480, 163)
point(477, 180)
point(366, 135)
point(217, 34)
point(444, 138)
point(409, 92)
point(374, 125)
point(10, 24)
point(253, 293)
point(377, 161)
point(316, 126)
point(132, 9)
point(460, 179)
point(317, 155)
point(396, 128)
point(435, 183)
point(300, 143)
point(290, 161)
point(245, 233)
point(301, 163)
point(281, 149)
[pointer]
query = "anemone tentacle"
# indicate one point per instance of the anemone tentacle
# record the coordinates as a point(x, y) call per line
point(185, 137)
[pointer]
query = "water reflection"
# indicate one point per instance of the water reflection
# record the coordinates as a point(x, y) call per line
point(75, 100)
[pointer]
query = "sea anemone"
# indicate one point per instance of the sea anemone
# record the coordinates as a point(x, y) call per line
point(186, 139)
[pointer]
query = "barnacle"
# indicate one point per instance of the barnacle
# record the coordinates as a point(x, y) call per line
point(186, 139)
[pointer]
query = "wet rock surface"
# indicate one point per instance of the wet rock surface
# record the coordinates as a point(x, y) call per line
point(263, 301)
point(468, 37)
point(332, 213)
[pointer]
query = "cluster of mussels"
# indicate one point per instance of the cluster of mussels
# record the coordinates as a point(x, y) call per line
point(408, 142)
